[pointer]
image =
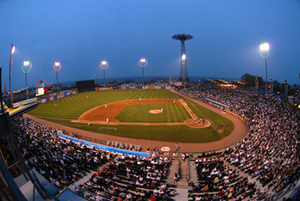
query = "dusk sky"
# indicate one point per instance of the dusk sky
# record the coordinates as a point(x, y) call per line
point(81, 33)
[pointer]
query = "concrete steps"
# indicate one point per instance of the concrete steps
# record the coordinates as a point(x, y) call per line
point(193, 172)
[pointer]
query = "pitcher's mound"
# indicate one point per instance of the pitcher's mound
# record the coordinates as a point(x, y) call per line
point(156, 111)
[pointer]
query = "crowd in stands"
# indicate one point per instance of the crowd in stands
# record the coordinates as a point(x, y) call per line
point(132, 178)
point(126, 146)
point(218, 181)
point(134, 85)
point(60, 161)
point(270, 150)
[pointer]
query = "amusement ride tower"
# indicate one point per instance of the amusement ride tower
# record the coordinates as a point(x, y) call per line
point(183, 76)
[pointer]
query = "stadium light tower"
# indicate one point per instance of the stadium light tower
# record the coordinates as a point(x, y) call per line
point(12, 51)
point(57, 67)
point(183, 76)
point(264, 47)
point(26, 67)
point(104, 64)
point(143, 62)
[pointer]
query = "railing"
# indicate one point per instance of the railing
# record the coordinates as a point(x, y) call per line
point(104, 142)
point(188, 171)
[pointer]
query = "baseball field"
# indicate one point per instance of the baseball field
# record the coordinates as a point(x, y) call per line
point(152, 114)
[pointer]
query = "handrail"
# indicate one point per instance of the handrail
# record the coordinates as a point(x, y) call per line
point(188, 171)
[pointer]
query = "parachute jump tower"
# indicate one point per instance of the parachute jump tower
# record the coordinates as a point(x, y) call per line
point(183, 76)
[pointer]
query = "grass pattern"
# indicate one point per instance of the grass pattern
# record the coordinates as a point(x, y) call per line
point(71, 107)
point(140, 113)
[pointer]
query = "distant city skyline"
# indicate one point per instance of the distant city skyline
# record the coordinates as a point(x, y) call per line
point(80, 34)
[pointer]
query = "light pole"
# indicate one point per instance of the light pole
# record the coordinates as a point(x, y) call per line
point(183, 59)
point(12, 51)
point(256, 83)
point(104, 64)
point(264, 47)
point(57, 67)
point(271, 85)
point(285, 88)
point(143, 62)
point(26, 67)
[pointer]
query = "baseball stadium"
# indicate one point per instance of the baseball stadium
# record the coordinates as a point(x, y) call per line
point(149, 100)
point(185, 128)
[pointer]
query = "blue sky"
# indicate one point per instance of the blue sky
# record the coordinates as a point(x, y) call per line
point(82, 33)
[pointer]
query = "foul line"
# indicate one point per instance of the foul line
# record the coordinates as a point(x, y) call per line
point(185, 105)
point(107, 128)
point(45, 117)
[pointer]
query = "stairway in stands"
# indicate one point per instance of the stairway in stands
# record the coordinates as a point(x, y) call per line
point(180, 167)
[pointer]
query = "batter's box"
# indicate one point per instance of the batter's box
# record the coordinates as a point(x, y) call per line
point(107, 128)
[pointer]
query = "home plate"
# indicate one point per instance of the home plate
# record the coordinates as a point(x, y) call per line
point(107, 128)
point(165, 148)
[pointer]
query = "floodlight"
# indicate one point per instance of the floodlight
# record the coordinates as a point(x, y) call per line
point(26, 63)
point(13, 49)
point(264, 46)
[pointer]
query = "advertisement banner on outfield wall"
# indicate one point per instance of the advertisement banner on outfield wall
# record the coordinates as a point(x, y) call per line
point(60, 96)
point(48, 95)
point(31, 100)
point(51, 98)
point(16, 105)
point(158, 87)
point(25, 102)
point(151, 87)
point(65, 92)
point(100, 89)
point(43, 100)
point(168, 87)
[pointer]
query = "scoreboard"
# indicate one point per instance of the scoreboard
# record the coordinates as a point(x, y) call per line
point(44, 90)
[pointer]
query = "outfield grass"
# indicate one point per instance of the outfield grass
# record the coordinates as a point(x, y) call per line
point(71, 107)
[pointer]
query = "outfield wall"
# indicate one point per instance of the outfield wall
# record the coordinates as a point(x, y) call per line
point(134, 87)
point(45, 98)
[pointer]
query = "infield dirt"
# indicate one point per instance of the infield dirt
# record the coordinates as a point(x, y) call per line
point(105, 114)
